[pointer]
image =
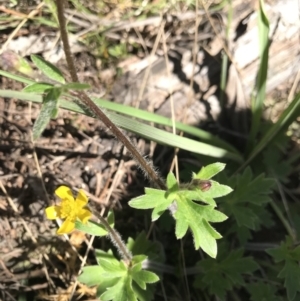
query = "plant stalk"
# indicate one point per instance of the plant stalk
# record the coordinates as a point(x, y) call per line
point(86, 100)
point(114, 236)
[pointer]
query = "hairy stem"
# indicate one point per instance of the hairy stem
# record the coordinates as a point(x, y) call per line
point(114, 236)
point(86, 100)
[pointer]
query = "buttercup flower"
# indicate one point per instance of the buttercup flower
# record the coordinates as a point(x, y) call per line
point(69, 209)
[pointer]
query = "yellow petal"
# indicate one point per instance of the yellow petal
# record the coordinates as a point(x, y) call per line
point(81, 199)
point(66, 227)
point(52, 212)
point(84, 215)
point(64, 192)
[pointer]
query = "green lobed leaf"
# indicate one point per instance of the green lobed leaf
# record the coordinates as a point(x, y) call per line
point(236, 265)
point(124, 288)
point(139, 281)
point(248, 199)
point(216, 190)
point(146, 276)
point(209, 171)
point(197, 218)
point(152, 198)
point(108, 255)
point(48, 69)
point(276, 165)
point(181, 228)
point(290, 254)
point(291, 275)
point(142, 245)
point(121, 291)
point(138, 259)
point(225, 273)
point(188, 214)
point(159, 210)
point(282, 252)
point(171, 182)
point(91, 275)
point(262, 291)
point(245, 216)
point(137, 267)
point(198, 195)
point(144, 295)
point(105, 283)
point(142, 277)
point(112, 267)
point(117, 50)
point(48, 109)
point(117, 280)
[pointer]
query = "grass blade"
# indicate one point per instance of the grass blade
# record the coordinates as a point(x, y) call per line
point(161, 120)
point(259, 92)
point(286, 118)
point(144, 130)
point(147, 116)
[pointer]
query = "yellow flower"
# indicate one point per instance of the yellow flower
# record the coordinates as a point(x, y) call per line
point(69, 209)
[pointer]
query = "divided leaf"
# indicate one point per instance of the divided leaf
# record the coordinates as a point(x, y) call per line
point(262, 291)
point(172, 184)
point(90, 275)
point(216, 190)
point(249, 197)
point(290, 254)
point(197, 218)
point(275, 164)
point(151, 199)
point(141, 245)
point(118, 281)
point(222, 275)
point(291, 275)
point(121, 291)
point(181, 202)
point(209, 171)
